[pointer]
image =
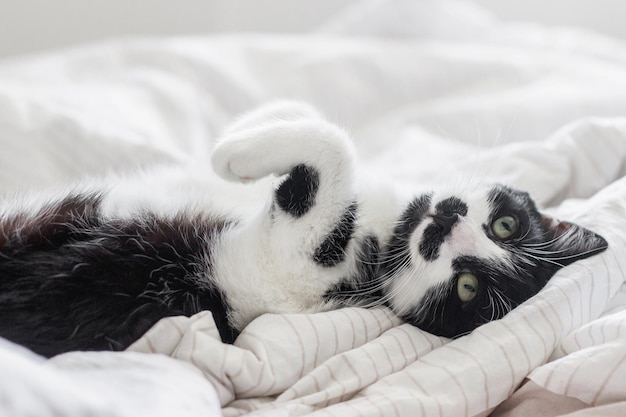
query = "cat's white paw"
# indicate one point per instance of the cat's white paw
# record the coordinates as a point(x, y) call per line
point(243, 153)
point(273, 112)
point(276, 146)
point(238, 160)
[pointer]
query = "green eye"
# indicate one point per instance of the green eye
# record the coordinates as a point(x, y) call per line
point(467, 287)
point(504, 227)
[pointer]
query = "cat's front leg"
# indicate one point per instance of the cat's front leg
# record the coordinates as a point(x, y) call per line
point(300, 242)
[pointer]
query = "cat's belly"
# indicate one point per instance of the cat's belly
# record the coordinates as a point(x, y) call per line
point(251, 295)
point(256, 281)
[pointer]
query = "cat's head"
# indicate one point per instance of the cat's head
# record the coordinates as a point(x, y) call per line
point(461, 260)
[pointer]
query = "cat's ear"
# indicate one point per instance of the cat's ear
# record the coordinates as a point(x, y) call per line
point(567, 242)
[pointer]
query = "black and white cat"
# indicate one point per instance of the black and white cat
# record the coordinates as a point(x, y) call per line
point(94, 268)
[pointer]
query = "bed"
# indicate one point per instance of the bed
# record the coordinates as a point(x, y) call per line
point(431, 92)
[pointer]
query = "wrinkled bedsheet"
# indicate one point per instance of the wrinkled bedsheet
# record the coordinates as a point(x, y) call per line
point(432, 92)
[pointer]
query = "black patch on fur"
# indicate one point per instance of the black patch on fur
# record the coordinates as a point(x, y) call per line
point(72, 281)
point(296, 194)
point(451, 205)
point(431, 242)
point(447, 213)
point(361, 288)
point(332, 250)
point(412, 216)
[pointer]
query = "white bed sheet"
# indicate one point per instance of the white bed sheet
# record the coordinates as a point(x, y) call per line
point(431, 92)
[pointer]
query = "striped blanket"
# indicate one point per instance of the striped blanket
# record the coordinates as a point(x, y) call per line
point(425, 104)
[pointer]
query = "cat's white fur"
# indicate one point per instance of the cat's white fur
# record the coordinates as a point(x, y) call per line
point(263, 263)
point(272, 141)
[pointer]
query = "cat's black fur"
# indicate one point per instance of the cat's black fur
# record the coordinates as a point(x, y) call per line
point(70, 281)
point(72, 278)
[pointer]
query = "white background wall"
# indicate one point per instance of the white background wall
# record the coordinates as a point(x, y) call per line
point(33, 25)
point(30, 25)
point(605, 16)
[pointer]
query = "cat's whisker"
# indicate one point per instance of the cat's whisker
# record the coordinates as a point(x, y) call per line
point(542, 259)
point(393, 253)
point(505, 302)
point(546, 252)
point(404, 284)
point(573, 256)
point(543, 244)
point(563, 237)
point(377, 283)
point(522, 237)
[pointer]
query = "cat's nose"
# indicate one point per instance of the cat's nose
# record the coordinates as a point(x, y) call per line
point(445, 221)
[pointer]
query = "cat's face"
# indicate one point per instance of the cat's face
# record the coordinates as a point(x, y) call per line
point(465, 258)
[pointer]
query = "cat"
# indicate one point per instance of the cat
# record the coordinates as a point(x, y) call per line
point(95, 267)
